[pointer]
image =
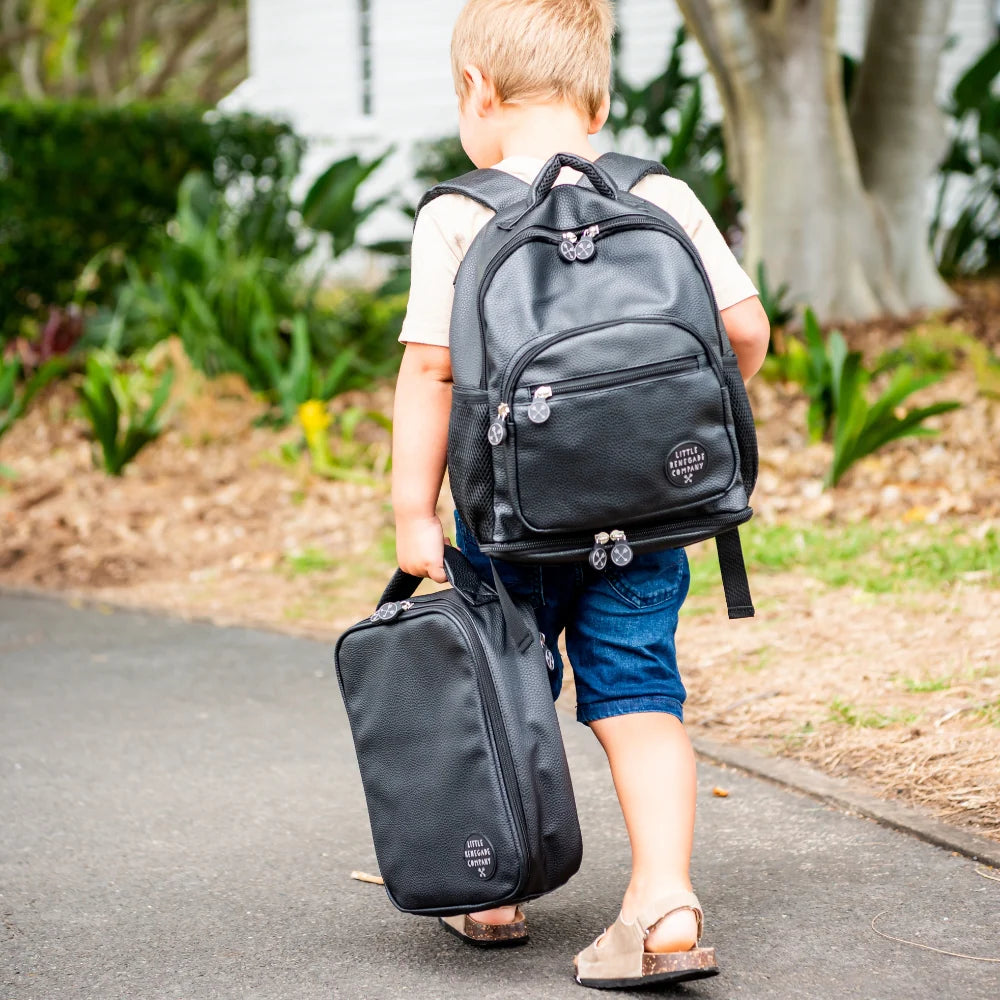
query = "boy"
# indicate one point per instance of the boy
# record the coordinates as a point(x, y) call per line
point(532, 78)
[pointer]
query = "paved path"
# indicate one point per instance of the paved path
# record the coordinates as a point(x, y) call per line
point(180, 809)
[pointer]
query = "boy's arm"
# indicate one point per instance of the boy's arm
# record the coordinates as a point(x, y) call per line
point(749, 330)
point(419, 450)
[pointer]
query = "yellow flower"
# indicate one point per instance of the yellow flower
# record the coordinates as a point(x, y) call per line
point(313, 417)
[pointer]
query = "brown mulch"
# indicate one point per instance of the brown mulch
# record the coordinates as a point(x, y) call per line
point(213, 520)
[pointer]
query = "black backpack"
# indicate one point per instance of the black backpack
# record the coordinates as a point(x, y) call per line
point(597, 405)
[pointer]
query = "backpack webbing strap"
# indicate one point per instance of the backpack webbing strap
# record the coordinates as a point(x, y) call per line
point(495, 189)
point(734, 574)
point(627, 171)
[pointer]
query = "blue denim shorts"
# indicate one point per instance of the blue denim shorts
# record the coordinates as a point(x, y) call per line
point(620, 626)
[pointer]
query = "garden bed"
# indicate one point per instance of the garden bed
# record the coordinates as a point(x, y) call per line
point(875, 652)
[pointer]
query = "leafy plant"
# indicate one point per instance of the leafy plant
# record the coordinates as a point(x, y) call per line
point(121, 421)
point(806, 360)
point(330, 205)
point(969, 185)
point(243, 302)
point(17, 394)
point(861, 427)
point(774, 300)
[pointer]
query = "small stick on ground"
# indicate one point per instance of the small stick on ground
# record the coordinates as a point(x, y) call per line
point(365, 877)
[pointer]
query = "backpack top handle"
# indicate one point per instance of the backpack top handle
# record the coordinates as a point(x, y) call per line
point(546, 178)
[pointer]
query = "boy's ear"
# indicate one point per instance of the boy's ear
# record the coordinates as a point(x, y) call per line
point(479, 90)
point(597, 122)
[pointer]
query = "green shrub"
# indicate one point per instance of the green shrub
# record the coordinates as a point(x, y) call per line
point(122, 419)
point(76, 178)
point(15, 394)
point(245, 303)
point(971, 172)
point(861, 427)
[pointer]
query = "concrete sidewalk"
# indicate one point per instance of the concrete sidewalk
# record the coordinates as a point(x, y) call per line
point(180, 809)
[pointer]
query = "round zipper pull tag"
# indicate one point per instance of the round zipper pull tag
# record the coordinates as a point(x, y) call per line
point(567, 248)
point(599, 554)
point(498, 429)
point(621, 552)
point(585, 248)
point(388, 611)
point(538, 410)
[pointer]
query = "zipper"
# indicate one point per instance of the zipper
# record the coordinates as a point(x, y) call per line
point(523, 357)
point(491, 700)
point(584, 543)
point(628, 376)
point(602, 229)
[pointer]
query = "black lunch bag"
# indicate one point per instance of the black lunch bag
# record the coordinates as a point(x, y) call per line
point(461, 757)
point(597, 405)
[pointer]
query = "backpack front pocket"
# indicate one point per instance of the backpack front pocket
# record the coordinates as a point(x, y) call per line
point(619, 445)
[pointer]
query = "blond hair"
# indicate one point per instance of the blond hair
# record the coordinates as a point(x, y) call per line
point(537, 49)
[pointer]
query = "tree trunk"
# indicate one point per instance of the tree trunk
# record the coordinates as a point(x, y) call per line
point(900, 135)
point(811, 219)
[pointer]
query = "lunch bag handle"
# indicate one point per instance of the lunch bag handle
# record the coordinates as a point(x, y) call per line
point(463, 577)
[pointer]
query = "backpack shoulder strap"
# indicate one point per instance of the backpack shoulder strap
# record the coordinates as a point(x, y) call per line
point(495, 189)
point(627, 171)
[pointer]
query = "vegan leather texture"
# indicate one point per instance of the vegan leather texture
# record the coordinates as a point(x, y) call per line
point(461, 757)
point(596, 301)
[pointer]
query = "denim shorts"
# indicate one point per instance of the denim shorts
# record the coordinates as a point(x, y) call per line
point(620, 626)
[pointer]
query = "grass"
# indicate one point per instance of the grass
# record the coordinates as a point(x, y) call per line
point(849, 715)
point(875, 560)
point(925, 686)
point(309, 560)
point(990, 712)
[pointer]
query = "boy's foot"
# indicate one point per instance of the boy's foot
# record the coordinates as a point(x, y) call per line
point(656, 945)
point(493, 933)
point(501, 915)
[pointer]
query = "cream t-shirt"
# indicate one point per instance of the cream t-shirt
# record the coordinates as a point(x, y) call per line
point(447, 226)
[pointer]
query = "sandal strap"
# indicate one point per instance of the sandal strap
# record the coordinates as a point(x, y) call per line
point(669, 903)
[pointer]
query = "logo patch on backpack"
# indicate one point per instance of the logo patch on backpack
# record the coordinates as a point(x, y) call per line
point(480, 856)
point(686, 464)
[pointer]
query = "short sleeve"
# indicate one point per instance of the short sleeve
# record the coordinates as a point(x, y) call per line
point(730, 282)
point(434, 262)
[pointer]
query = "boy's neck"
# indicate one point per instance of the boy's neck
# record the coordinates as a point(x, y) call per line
point(541, 130)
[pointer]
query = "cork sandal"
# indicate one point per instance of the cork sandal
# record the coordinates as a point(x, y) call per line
point(618, 958)
point(482, 935)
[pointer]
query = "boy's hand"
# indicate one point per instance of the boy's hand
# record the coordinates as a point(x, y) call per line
point(420, 547)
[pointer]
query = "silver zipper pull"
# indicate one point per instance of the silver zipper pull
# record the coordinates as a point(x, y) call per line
point(599, 553)
point(538, 410)
point(585, 245)
point(568, 246)
point(550, 660)
point(498, 429)
point(621, 552)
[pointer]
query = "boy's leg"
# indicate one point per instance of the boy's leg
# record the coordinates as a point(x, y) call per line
point(653, 767)
point(629, 691)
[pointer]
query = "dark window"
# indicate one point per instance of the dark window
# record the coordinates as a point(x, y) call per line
point(365, 54)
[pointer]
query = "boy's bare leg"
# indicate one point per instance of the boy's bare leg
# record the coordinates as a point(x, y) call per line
point(653, 767)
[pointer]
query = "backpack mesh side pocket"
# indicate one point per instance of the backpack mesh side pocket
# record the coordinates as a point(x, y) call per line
point(470, 460)
point(746, 432)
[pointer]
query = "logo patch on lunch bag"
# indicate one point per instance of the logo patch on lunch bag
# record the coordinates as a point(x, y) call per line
point(686, 464)
point(480, 857)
